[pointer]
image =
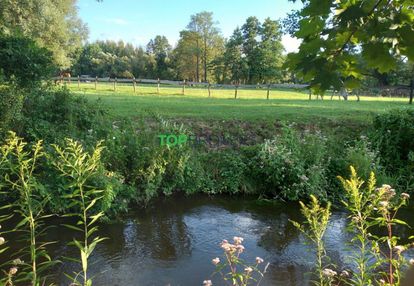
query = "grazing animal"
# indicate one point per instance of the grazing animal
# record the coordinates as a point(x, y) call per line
point(62, 75)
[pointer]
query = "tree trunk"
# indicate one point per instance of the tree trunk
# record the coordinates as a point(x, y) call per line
point(205, 59)
point(411, 90)
point(198, 62)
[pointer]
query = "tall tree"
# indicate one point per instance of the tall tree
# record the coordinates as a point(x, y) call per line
point(335, 32)
point(233, 60)
point(53, 24)
point(207, 40)
point(251, 31)
point(271, 51)
point(186, 59)
point(194, 36)
point(160, 49)
point(254, 53)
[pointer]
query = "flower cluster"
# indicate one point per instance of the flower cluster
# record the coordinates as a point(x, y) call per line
point(236, 247)
point(329, 273)
point(232, 260)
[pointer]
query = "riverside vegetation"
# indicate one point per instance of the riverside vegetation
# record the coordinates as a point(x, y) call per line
point(51, 164)
point(97, 182)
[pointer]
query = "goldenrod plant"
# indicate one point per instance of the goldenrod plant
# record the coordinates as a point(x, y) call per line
point(360, 201)
point(314, 229)
point(19, 166)
point(78, 166)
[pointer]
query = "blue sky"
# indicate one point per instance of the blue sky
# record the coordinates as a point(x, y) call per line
point(137, 21)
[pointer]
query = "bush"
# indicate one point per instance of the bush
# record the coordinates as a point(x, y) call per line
point(224, 172)
point(52, 114)
point(292, 167)
point(133, 150)
point(393, 135)
point(11, 102)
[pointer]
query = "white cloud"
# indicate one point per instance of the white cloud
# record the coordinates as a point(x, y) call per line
point(291, 44)
point(116, 21)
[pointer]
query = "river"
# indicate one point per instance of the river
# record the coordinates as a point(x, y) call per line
point(173, 241)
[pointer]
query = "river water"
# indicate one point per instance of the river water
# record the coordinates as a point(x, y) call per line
point(173, 241)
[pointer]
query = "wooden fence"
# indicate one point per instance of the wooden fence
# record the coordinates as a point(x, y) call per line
point(134, 83)
point(399, 91)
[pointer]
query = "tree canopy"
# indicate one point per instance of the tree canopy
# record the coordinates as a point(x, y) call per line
point(53, 24)
point(343, 39)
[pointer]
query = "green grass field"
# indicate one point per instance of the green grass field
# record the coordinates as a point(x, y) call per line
point(251, 105)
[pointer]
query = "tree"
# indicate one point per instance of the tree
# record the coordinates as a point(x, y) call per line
point(207, 41)
point(271, 51)
point(160, 49)
point(89, 60)
point(186, 59)
point(114, 59)
point(251, 32)
point(22, 62)
point(23, 65)
point(235, 66)
point(254, 53)
point(53, 24)
point(335, 33)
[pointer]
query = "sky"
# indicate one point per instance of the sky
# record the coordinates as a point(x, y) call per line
point(138, 21)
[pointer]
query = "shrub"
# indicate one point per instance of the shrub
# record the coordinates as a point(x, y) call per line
point(362, 156)
point(11, 103)
point(225, 172)
point(291, 167)
point(393, 136)
point(52, 114)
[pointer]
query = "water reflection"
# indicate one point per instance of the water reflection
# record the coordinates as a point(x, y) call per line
point(173, 241)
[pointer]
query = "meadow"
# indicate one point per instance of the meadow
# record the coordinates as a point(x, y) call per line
point(250, 105)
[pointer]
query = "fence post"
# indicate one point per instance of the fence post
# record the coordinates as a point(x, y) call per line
point(235, 91)
point(96, 82)
point(209, 91)
point(158, 85)
point(268, 91)
point(184, 87)
point(61, 79)
point(134, 83)
point(115, 83)
point(78, 81)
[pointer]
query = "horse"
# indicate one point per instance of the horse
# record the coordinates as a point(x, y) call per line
point(62, 75)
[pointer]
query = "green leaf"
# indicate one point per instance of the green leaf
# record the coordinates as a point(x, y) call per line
point(73, 227)
point(377, 55)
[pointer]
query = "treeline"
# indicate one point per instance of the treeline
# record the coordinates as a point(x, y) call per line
point(253, 54)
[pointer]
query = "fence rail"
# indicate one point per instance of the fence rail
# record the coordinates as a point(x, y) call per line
point(400, 91)
point(177, 83)
point(183, 84)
